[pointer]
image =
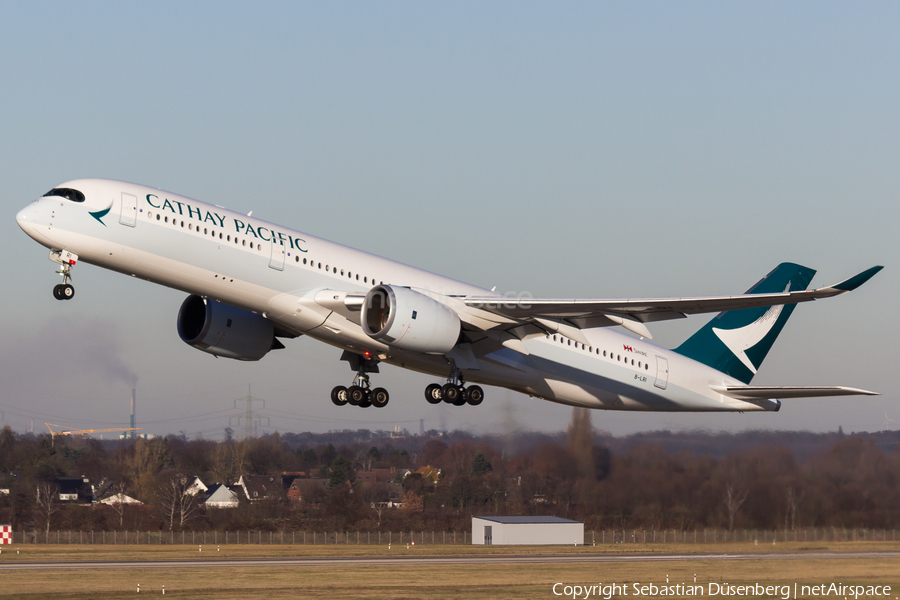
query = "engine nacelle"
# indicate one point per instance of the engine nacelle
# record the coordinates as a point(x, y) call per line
point(408, 320)
point(225, 330)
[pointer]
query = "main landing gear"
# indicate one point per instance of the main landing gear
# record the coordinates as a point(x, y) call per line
point(360, 393)
point(454, 392)
point(66, 260)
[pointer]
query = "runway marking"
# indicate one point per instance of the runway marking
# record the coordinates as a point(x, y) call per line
point(441, 560)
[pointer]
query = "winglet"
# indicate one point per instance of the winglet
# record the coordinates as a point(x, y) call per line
point(857, 280)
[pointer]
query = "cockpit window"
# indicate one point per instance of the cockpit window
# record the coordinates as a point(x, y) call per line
point(69, 193)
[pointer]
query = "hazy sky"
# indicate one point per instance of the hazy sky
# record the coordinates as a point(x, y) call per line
point(563, 149)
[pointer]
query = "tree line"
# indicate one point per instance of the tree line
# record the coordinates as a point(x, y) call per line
point(843, 481)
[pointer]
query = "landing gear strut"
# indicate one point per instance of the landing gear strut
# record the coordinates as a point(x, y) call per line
point(360, 393)
point(66, 260)
point(454, 391)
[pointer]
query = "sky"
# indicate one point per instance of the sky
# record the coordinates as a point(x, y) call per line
point(581, 149)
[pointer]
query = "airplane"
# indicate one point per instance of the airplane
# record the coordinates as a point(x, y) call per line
point(252, 283)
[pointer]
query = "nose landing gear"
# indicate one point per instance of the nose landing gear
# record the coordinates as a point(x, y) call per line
point(66, 260)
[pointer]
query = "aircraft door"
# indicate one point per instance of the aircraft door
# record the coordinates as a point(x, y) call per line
point(276, 261)
point(662, 372)
point(128, 214)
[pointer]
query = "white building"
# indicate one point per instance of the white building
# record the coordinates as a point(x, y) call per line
point(220, 497)
point(120, 499)
point(513, 531)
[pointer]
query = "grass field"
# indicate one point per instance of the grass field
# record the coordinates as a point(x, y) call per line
point(430, 581)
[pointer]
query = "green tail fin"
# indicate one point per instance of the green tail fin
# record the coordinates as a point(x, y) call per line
point(735, 342)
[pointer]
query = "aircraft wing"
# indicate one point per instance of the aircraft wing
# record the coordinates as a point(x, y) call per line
point(633, 313)
point(766, 392)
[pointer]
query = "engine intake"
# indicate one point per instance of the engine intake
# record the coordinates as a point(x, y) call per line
point(224, 330)
point(408, 320)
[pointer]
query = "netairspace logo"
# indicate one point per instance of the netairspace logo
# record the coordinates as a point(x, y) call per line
point(785, 592)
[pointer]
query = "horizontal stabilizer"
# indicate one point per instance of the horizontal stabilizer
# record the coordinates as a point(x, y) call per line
point(766, 392)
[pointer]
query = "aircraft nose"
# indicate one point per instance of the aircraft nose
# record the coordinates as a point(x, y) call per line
point(24, 218)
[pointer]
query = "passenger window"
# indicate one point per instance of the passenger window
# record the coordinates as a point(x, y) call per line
point(619, 357)
point(182, 224)
point(229, 238)
point(342, 271)
point(243, 242)
point(297, 258)
point(205, 231)
point(335, 270)
point(220, 235)
point(157, 217)
point(646, 367)
point(167, 219)
point(554, 338)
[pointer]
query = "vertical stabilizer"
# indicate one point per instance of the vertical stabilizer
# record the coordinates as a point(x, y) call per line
point(735, 342)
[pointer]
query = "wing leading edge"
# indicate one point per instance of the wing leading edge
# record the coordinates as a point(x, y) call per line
point(657, 309)
point(632, 313)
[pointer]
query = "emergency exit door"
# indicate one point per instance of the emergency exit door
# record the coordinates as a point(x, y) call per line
point(128, 212)
point(276, 261)
point(662, 372)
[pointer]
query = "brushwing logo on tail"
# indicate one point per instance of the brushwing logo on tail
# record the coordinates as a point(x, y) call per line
point(743, 338)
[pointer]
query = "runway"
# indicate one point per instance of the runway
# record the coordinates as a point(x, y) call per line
point(441, 560)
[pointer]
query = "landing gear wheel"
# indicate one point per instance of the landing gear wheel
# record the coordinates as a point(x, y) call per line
point(356, 395)
point(451, 393)
point(339, 395)
point(366, 402)
point(433, 393)
point(63, 291)
point(460, 398)
point(474, 395)
point(379, 397)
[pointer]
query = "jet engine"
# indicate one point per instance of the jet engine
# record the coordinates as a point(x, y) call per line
point(408, 320)
point(225, 330)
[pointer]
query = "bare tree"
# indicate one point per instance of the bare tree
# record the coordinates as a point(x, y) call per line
point(47, 500)
point(580, 435)
point(167, 500)
point(174, 502)
point(118, 504)
point(793, 500)
point(376, 496)
point(733, 501)
point(187, 504)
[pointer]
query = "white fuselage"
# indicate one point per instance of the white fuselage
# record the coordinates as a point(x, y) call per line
point(277, 272)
